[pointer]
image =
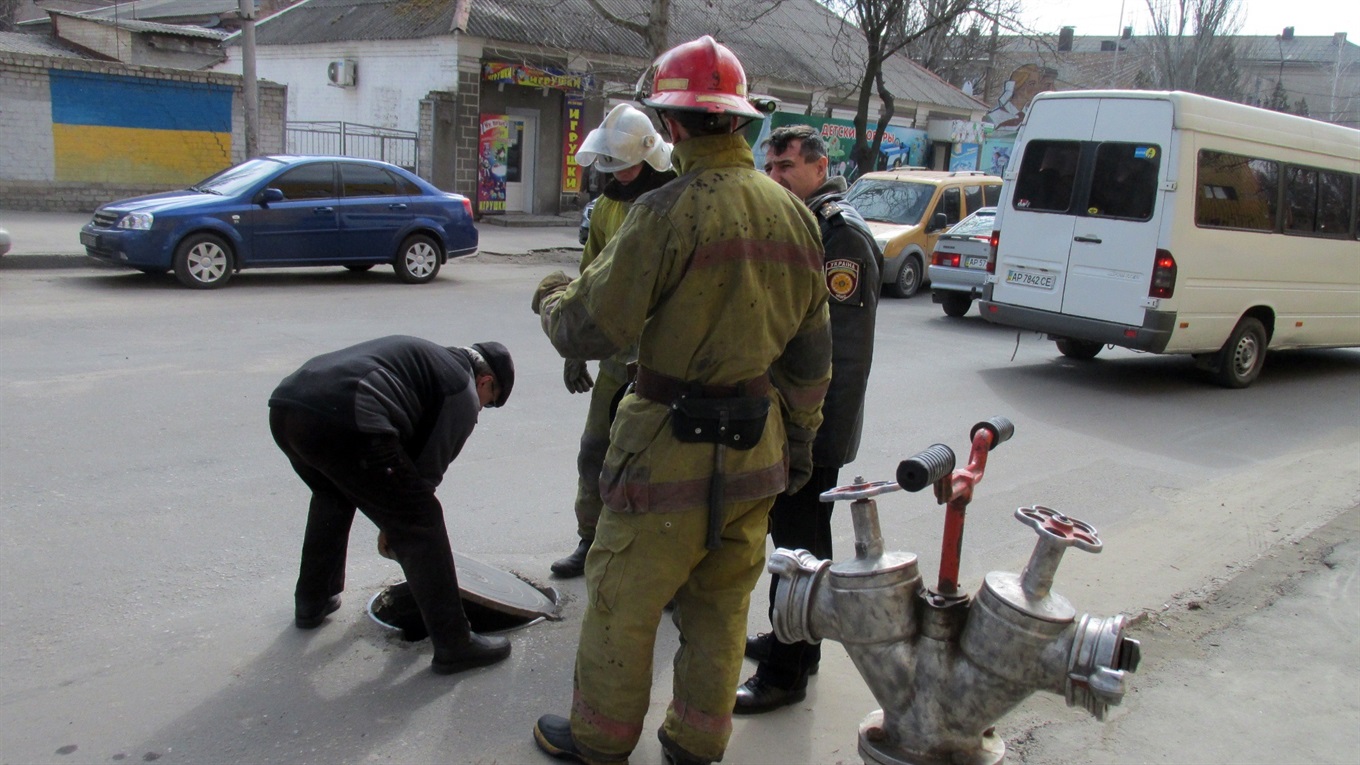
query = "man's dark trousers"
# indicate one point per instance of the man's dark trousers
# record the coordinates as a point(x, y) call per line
point(798, 521)
point(345, 470)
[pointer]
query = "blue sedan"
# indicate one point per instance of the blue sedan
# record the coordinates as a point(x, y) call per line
point(287, 211)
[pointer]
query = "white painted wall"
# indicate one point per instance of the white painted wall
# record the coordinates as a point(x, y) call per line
point(26, 124)
point(393, 75)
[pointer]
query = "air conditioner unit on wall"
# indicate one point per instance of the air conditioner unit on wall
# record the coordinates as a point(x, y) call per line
point(341, 73)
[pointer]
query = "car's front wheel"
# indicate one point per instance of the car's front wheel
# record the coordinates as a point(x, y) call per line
point(956, 304)
point(204, 262)
point(908, 279)
point(418, 259)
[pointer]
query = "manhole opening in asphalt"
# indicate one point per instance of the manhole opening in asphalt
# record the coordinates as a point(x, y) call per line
point(395, 608)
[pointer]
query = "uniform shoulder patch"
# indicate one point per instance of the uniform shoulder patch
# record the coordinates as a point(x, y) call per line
point(829, 210)
point(843, 280)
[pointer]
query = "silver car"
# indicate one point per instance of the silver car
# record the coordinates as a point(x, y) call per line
point(958, 266)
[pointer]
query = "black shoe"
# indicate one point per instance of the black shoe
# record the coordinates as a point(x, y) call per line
point(479, 651)
point(758, 649)
point(309, 616)
point(552, 733)
point(758, 646)
point(756, 696)
point(674, 754)
point(573, 565)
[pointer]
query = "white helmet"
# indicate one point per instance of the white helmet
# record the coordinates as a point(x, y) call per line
point(625, 138)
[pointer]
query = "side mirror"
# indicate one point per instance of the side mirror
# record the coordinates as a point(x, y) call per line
point(939, 221)
point(269, 195)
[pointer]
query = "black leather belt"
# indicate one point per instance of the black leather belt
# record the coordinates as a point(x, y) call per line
point(664, 389)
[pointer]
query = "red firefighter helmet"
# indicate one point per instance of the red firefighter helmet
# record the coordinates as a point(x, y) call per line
point(701, 76)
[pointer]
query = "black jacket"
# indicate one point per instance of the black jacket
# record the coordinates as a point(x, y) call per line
point(419, 391)
point(853, 268)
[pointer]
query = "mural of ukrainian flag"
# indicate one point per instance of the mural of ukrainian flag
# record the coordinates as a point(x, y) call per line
point(132, 130)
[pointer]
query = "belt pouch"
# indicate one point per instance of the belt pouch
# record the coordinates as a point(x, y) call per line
point(736, 422)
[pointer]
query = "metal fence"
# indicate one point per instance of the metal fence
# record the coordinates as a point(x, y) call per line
point(348, 139)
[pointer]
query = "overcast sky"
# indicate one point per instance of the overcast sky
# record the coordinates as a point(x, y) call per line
point(1261, 17)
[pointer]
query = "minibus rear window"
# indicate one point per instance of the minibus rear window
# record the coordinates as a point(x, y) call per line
point(1047, 174)
point(1124, 182)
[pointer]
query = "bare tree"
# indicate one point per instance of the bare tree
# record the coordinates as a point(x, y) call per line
point(653, 26)
point(888, 27)
point(1192, 47)
point(652, 19)
point(9, 15)
point(963, 50)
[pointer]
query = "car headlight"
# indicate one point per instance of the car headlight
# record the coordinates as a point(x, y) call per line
point(136, 221)
point(882, 243)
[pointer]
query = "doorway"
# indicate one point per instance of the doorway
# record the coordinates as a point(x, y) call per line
point(519, 160)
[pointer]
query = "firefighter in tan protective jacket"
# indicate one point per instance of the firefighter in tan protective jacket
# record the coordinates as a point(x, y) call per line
point(724, 293)
point(637, 159)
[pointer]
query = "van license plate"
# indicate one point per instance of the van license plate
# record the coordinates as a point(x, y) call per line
point(975, 262)
point(1030, 279)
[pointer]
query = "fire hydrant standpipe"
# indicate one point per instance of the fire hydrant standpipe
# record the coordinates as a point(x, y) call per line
point(946, 666)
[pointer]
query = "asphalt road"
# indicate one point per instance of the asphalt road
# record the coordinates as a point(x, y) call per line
point(150, 528)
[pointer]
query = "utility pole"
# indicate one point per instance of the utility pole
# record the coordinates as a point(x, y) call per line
point(251, 90)
point(1118, 45)
point(1338, 39)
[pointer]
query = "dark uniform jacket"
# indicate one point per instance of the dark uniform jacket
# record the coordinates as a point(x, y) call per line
point(718, 277)
point(419, 391)
point(853, 266)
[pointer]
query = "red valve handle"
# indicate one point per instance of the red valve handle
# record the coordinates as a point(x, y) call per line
point(1058, 528)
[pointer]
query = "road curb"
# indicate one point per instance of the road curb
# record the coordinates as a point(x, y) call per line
point(12, 262)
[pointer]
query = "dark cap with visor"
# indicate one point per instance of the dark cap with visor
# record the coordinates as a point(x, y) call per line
point(498, 358)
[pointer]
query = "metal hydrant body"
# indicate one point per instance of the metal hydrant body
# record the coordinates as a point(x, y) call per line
point(945, 667)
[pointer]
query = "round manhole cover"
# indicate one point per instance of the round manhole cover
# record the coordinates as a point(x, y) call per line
point(494, 601)
point(501, 590)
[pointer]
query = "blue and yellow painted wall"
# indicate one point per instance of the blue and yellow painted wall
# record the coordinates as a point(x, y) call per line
point(109, 128)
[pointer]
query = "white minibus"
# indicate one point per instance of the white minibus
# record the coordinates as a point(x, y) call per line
point(1178, 223)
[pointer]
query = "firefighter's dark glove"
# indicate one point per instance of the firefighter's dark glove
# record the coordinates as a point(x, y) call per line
point(552, 284)
point(577, 376)
point(800, 457)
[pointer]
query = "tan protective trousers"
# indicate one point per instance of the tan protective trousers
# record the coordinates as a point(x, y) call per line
point(637, 563)
point(611, 376)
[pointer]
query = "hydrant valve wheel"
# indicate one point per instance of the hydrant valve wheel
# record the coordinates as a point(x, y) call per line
point(858, 490)
point(1059, 529)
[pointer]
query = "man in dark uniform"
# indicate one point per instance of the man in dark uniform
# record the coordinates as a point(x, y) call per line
point(796, 158)
point(374, 427)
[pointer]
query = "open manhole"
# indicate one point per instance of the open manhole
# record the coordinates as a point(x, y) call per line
point(494, 601)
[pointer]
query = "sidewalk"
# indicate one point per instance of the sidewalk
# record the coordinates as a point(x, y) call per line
point(52, 239)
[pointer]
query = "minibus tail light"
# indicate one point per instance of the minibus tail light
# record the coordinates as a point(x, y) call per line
point(991, 261)
point(1163, 275)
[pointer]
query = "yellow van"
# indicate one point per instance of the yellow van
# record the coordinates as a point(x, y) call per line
point(908, 208)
